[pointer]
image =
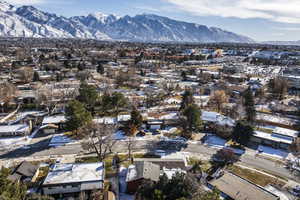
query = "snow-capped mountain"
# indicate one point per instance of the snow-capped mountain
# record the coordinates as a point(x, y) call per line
point(28, 21)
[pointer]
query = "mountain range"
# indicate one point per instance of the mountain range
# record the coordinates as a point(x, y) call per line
point(28, 21)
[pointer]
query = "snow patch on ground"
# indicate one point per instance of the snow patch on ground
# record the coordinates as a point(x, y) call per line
point(17, 141)
point(269, 151)
point(119, 135)
point(215, 141)
point(60, 140)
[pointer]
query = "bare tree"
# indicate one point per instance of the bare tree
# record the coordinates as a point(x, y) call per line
point(99, 138)
point(50, 97)
point(7, 92)
point(130, 143)
point(218, 99)
point(26, 74)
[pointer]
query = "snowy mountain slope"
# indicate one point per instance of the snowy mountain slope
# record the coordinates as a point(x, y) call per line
point(28, 21)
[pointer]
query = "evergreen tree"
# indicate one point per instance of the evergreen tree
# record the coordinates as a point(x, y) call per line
point(183, 75)
point(249, 105)
point(242, 132)
point(187, 99)
point(76, 115)
point(100, 69)
point(192, 118)
point(136, 118)
point(87, 95)
point(36, 76)
point(118, 101)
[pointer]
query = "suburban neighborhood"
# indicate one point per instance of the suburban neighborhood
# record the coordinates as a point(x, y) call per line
point(88, 119)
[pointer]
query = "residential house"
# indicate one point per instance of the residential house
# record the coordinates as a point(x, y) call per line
point(53, 123)
point(238, 188)
point(69, 180)
point(139, 172)
point(280, 138)
point(24, 172)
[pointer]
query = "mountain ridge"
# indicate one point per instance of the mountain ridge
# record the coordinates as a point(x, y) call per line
point(28, 21)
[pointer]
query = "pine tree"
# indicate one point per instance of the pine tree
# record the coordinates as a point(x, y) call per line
point(136, 118)
point(100, 68)
point(36, 77)
point(249, 105)
point(192, 120)
point(76, 115)
point(187, 99)
point(242, 132)
point(87, 95)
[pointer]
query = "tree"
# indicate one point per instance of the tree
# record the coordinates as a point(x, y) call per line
point(136, 118)
point(130, 143)
point(242, 132)
point(184, 75)
point(278, 87)
point(218, 98)
point(118, 101)
point(26, 74)
point(50, 97)
point(181, 186)
point(7, 92)
point(210, 195)
point(99, 137)
point(295, 146)
point(249, 105)
point(100, 69)
point(36, 77)
point(187, 99)
point(192, 118)
point(76, 115)
point(10, 190)
point(226, 156)
point(87, 95)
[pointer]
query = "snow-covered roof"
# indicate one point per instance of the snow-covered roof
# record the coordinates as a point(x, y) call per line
point(217, 118)
point(16, 128)
point(105, 120)
point(272, 137)
point(123, 117)
point(54, 119)
point(286, 132)
point(74, 173)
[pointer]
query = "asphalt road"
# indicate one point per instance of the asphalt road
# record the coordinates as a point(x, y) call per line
point(40, 148)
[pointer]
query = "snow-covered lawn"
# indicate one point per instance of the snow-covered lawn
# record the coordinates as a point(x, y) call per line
point(278, 153)
point(16, 141)
point(215, 141)
point(59, 140)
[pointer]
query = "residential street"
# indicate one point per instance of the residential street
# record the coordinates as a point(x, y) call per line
point(40, 150)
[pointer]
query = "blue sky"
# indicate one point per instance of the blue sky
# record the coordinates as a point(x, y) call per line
point(261, 20)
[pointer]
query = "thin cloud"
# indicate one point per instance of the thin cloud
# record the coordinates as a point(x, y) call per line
point(275, 10)
point(26, 2)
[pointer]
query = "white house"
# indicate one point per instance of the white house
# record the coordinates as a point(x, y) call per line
point(72, 179)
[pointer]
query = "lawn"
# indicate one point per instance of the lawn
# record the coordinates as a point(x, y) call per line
point(266, 130)
point(256, 177)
